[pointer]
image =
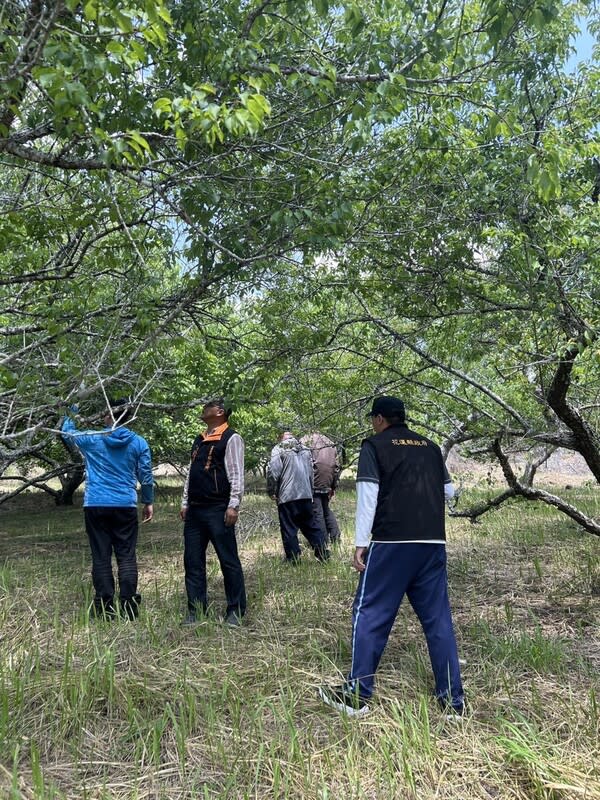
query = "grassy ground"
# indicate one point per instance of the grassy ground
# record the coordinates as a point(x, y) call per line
point(152, 710)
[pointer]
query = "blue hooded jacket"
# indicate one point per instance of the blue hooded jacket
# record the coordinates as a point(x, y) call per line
point(115, 460)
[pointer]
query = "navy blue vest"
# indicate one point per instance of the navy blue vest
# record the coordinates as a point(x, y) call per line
point(209, 484)
point(410, 503)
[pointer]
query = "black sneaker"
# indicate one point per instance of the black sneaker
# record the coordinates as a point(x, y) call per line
point(344, 700)
point(189, 619)
point(233, 619)
point(130, 607)
point(102, 610)
point(322, 554)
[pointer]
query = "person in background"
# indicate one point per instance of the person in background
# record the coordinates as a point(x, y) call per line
point(115, 458)
point(402, 483)
point(290, 483)
point(210, 508)
point(327, 470)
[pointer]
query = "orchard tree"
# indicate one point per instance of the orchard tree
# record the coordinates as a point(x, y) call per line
point(472, 284)
point(158, 158)
point(509, 318)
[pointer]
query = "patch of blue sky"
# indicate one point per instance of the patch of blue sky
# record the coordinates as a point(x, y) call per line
point(583, 44)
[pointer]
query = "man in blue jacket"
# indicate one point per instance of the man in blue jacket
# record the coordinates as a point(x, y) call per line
point(115, 458)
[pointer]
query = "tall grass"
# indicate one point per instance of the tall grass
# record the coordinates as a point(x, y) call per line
point(149, 709)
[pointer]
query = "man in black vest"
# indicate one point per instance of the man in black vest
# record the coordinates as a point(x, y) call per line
point(210, 506)
point(402, 483)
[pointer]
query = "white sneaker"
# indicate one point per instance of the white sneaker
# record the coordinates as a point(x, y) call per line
point(343, 700)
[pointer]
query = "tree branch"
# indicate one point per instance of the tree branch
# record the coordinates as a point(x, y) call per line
point(528, 492)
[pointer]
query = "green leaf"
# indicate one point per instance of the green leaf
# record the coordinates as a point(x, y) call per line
point(115, 47)
point(123, 21)
point(162, 106)
point(136, 137)
point(90, 10)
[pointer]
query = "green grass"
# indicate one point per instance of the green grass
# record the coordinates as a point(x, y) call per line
point(152, 710)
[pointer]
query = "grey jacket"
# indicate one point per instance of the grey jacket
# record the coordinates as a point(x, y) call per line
point(290, 471)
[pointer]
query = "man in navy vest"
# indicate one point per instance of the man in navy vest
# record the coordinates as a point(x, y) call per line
point(210, 506)
point(402, 485)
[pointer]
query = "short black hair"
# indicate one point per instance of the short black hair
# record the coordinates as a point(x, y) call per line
point(219, 402)
point(395, 419)
point(123, 407)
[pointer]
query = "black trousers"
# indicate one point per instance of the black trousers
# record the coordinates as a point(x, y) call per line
point(113, 528)
point(204, 524)
point(298, 514)
point(325, 518)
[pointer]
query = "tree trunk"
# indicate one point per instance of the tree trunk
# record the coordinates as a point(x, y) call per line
point(73, 477)
point(588, 442)
point(69, 486)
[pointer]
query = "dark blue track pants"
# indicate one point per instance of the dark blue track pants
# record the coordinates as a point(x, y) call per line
point(204, 524)
point(393, 570)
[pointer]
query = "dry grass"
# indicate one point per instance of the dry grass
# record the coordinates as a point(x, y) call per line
point(152, 710)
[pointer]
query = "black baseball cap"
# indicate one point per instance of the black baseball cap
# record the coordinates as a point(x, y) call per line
point(388, 407)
